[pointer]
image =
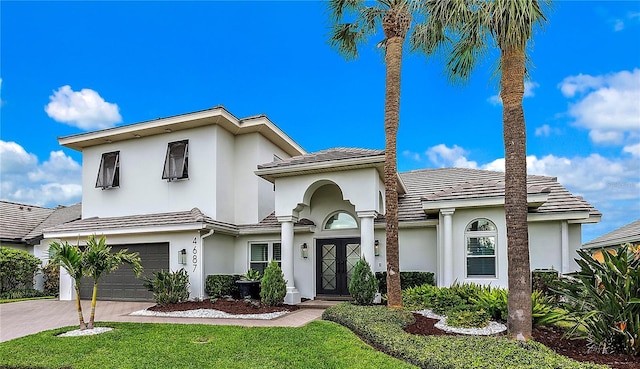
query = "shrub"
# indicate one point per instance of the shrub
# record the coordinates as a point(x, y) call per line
point(17, 269)
point(363, 284)
point(446, 300)
point(468, 291)
point(468, 318)
point(604, 298)
point(169, 287)
point(51, 275)
point(407, 280)
point(544, 281)
point(419, 297)
point(273, 287)
point(494, 302)
point(219, 285)
point(22, 294)
point(384, 329)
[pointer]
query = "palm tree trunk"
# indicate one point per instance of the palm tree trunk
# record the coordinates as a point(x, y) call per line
point(393, 59)
point(79, 307)
point(515, 206)
point(94, 298)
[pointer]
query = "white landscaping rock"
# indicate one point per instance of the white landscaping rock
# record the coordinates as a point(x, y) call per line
point(85, 332)
point(207, 313)
point(488, 330)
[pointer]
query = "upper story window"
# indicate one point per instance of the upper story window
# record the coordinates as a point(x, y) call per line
point(341, 220)
point(481, 237)
point(176, 163)
point(109, 171)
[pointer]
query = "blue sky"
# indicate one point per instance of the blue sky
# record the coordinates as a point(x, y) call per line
point(71, 67)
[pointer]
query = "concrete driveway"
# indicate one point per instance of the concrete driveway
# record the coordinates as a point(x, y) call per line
point(18, 319)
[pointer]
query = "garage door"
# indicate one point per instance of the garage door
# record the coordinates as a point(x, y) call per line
point(122, 284)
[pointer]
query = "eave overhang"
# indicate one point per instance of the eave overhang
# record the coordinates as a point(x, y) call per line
point(534, 200)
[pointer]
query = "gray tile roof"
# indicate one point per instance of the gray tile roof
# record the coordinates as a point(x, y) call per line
point(454, 183)
point(17, 220)
point(334, 154)
point(60, 215)
point(97, 224)
point(628, 233)
point(271, 221)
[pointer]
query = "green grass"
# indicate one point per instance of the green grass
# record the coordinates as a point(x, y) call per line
point(27, 299)
point(319, 344)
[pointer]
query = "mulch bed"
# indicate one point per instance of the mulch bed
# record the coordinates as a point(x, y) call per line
point(551, 337)
point(230, 306)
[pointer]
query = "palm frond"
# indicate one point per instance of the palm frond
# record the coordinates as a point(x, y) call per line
point(345, 38)
point(339, 8)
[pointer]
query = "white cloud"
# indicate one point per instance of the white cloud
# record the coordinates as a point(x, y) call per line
point(634, 150)
point(529, 86)
point(53, 182)
point(546, 130)
point(443, 156)
point(605, 105)
point(84, 109)
point(412, 155)
point(618, 25)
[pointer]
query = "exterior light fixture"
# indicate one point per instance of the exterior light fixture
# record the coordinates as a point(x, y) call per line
point(182, 257)
point(376, 248)
point(304, 250)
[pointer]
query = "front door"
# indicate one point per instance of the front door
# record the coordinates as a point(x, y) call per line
point(336, 259)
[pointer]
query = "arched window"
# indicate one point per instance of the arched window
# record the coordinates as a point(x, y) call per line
point(481, 237)
point(341, 220)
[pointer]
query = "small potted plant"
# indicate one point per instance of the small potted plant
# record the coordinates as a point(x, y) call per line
point(249, 285)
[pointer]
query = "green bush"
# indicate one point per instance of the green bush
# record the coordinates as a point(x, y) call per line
point(17, 269)
point(363, 284)
point(273, 287)
point(169, 287)
point(494, 302)
point(22, 294)
point(384, 329)
point(468, 318)
point(604, 298)
point(544, 281)
point(51, 276)
point(419, 297)
point(407, 280)
point(220, 285)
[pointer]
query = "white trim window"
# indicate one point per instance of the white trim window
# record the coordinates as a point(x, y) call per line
point(261, 253)
point(481, 238)
point(109, 170)
point(176, 162)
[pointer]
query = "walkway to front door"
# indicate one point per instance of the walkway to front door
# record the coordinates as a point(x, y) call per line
point(336, 259)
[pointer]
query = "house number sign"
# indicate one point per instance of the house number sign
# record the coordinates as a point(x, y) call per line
point(194, 258)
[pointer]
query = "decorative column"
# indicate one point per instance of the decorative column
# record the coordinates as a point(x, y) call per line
point(447, 230)
point(367, 250)
point(564, 247)
point(286, 223)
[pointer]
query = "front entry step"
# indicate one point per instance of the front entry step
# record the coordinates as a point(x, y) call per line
point(317, 304)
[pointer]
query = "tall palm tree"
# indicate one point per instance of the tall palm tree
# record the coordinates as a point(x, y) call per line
point(353, 22)
point(99, 260)
point(510, 24)
point(69, 257)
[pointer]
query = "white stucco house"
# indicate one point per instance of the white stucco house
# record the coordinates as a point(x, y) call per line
point(215, 194)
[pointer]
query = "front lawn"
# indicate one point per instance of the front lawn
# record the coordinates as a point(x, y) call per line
point(319, 344)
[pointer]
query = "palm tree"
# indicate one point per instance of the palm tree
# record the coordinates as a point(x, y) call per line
point(98, 260)
point(510, 25)
point(364, 19)
point(70, 258)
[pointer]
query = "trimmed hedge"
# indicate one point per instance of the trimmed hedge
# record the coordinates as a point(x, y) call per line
point(17, 269)
point(220, 285)
point(384, 329)
point(407, 280)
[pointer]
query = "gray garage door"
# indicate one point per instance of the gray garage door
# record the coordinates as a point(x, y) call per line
point(123, 284)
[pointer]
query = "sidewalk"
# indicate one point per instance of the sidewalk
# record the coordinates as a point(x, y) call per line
point(18, 319)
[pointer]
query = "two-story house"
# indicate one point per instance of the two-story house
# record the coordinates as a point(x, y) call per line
point(214, 194)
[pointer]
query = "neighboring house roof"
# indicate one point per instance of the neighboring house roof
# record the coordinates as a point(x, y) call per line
point(629, 233)
point(23, 223)
point(217, 115)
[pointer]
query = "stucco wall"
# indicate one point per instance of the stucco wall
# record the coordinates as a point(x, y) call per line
point(544, 245)
point(142, 189)
point(219, 254)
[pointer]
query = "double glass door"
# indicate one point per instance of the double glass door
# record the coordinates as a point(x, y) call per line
point(336, 259)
